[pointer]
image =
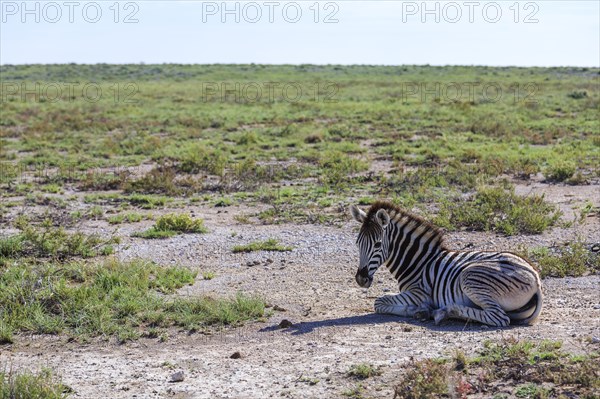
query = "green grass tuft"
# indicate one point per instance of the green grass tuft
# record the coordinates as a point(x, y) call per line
point(171, 225)
point(363, 371)
point(125, 218)
point(269, 245)
point(6, 334)
point(181, 223)
point(208, 275)
point(147, 201)
point(560, 171)
point(27, 385)
point(356, 392)
point(153, 234)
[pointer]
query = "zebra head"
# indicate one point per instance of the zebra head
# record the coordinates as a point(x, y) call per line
point(372, 243)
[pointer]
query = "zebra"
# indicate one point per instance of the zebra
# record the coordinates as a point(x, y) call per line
point(493, 288)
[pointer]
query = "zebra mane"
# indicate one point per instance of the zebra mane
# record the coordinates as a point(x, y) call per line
point(397, 213)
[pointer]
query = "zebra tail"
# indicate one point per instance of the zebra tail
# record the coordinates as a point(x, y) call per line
point(530, 312)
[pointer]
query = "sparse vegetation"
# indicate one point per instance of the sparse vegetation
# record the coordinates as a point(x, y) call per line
point(181, 223)
point(208, 275)
point(523, 368)
point(161, 180)
point(171, 225)
point(363, 371)
point(48, 241)
point(125, 218)
point(95, 212)
point(560, 171)
point(154, 234)
point(355, 393)
point(424, 379)
point(27, 385)
point(268, 245)
point(108, 299)
point(588, 210)
point(573, 259)
point(578, 94)
point(497, 209)
point(223, 202)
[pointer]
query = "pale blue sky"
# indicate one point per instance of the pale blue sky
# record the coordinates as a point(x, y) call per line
point(373, 32)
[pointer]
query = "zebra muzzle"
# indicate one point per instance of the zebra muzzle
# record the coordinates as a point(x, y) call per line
point(362, 277)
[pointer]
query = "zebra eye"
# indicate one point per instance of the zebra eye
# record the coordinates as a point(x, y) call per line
point(377, 245)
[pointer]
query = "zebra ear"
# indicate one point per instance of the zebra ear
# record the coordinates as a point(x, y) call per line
point(357, 214)
point(382, 217)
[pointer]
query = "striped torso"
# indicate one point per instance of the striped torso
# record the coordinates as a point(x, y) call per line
point(437, 274)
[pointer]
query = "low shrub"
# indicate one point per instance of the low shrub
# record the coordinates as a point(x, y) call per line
point(500, 210)
point(172, 224)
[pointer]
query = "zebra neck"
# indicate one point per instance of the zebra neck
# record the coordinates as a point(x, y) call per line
point(411, 246)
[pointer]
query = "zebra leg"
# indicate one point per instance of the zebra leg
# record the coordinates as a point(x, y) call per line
point(405, 304)
point(492, 314)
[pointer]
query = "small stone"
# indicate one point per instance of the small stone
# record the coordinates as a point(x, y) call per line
point(249, 263)
point(177, 376)
point(236, 355)
point(256, 262)
point(285, 323)
point(595, 340)
point(388, 337)
point(279, 308)
point(269, 260)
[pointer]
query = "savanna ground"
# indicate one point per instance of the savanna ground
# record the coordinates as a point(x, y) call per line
point(166, 218)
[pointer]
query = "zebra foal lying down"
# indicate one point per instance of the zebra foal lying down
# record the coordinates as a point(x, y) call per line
point(494, 288)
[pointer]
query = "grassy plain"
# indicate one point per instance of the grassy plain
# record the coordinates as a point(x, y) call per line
point(414, 134)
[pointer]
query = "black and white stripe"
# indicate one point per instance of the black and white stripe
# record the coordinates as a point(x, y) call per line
point(495, 288)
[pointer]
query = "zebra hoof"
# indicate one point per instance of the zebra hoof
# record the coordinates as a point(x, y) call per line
point(422, 315)
point(440, 315)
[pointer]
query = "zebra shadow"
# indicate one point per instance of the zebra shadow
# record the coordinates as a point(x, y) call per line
point(373, 319)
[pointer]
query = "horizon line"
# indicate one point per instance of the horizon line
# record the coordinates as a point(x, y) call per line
point(142, 63)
